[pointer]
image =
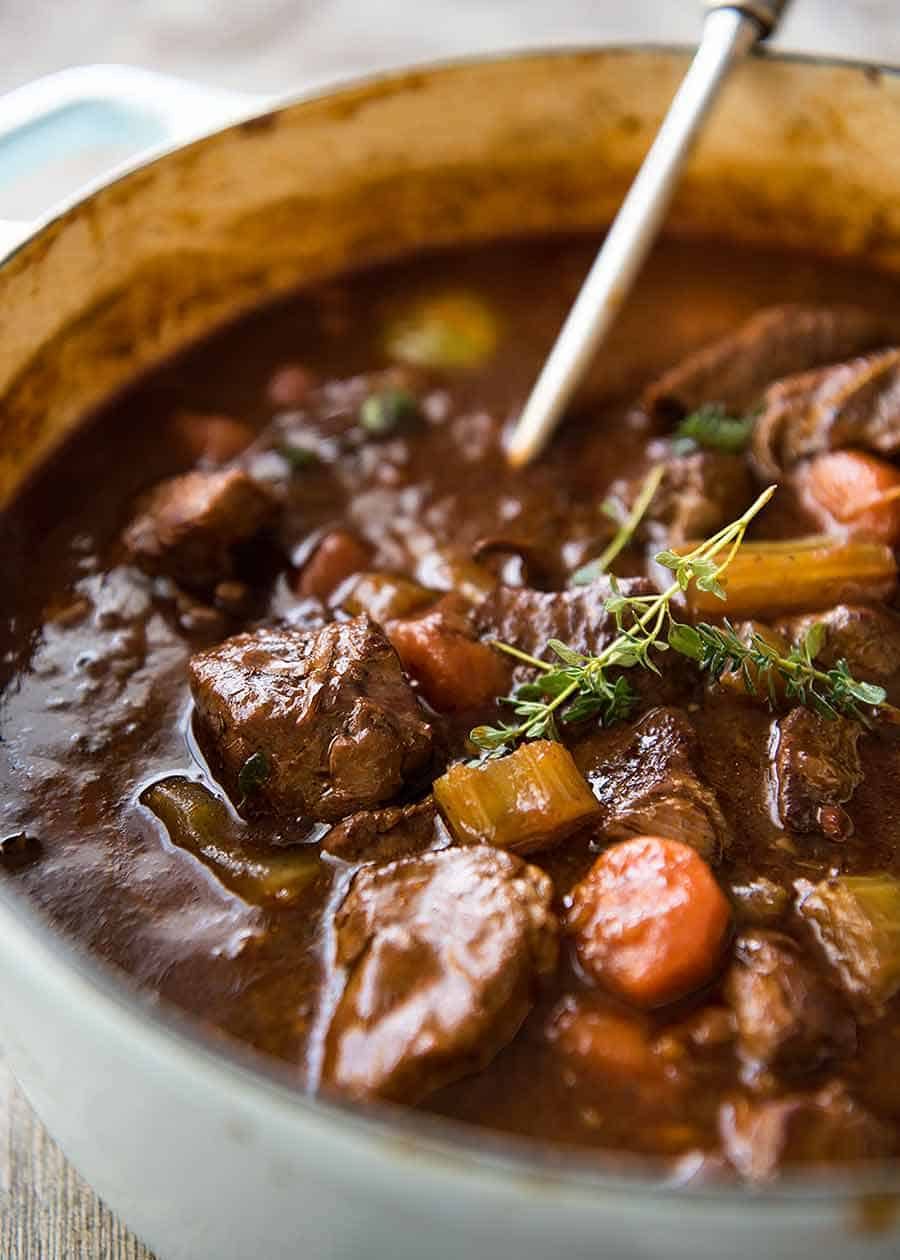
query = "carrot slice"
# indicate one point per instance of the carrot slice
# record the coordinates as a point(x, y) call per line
point(454, 671)
point(649, 920)
point(213, 438)
point(338, 556)
point(857, 490)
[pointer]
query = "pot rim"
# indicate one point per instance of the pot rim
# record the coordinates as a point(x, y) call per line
point(453, 1148)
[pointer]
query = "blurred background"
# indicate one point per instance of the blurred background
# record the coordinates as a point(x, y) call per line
point(276, 45)
point(279, 46)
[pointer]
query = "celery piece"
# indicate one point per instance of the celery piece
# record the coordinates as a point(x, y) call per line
point(797, 575)
point(856, 919)
point(530, 799)
point(198, 821)
point(445, 330)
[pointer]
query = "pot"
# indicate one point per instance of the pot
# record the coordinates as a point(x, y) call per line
point(203, 1153)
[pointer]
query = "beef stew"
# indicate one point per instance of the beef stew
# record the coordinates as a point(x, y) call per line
point(252, 636)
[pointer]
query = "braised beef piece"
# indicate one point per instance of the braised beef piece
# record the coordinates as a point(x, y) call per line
point(527, 618)
point(848, 404)
point(866, 636)
point(383, 835)
point(788, 1018)
point(777, 342)
point(699, 494)
point(644, 777)
point(330, 714)
point(445, 954)
point(760, 1137)
point(187, 527)
point(816, 767)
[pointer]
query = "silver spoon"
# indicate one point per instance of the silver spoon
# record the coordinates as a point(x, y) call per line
point(729, 32)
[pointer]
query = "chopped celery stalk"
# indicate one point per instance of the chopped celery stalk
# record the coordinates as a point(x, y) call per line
point(199, 822)
point(447, 330)
point(804, 575)
point(857, 921)
point(383, 596)
point(530, 799)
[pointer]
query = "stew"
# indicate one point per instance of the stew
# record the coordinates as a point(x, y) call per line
point(562, 802)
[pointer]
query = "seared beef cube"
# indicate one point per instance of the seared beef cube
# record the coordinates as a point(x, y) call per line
point(788, 1018)
point(866, 636)
point(856, 921)
point(328, 716)
point(383, 835)
point(828, 1126)
point(816, 767)
point(527, 618)
point(777, 342)
point(847, 404)
point(645, 780)
point(444, 955)
point(699, 493)
point(188, 526)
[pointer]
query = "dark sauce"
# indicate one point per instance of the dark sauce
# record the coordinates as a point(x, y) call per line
point(95, 702)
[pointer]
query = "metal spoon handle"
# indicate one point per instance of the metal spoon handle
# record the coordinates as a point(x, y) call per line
point(730, 31)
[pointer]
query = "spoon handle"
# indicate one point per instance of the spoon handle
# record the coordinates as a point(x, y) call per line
point(730, 31)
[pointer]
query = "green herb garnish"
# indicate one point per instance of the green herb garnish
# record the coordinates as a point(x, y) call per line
point(298, 455)
point(384, 412)
point(596, 568)
point(253, 774)
point(711, 428)
point(830, 693)
point(577, 686)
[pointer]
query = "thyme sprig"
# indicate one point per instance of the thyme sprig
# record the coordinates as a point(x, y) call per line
point(576, 686)
point(624, 534)
point(829, 692)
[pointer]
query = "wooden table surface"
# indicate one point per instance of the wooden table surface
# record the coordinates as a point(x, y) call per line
point(46, 1211)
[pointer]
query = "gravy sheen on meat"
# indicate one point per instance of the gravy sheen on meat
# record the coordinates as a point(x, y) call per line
point(238, 679)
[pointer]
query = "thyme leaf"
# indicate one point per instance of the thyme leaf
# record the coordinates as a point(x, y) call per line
point(829, 692)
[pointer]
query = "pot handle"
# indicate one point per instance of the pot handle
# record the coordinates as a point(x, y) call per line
point(110, 116)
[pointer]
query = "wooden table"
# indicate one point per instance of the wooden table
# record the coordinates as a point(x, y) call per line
point(46, 1211)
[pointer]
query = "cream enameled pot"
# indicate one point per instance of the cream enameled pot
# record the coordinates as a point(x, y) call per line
point(206, 1156)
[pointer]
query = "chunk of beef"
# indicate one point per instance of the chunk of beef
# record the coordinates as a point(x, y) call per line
point(828, 1126)
point(383, 835)
point(187, 527)
point(866, 636)
point(330, 712)
point(816, 768)
point(699, 494)
point(776, 342)
point(444, 954)
point(645, 779)
point(848, 404)
point(789, 1020)
point(527, 618)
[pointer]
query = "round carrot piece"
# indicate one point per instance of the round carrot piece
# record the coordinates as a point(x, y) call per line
point(338, 556)
point(649, 920)
point(858, 491)
point(213, 438)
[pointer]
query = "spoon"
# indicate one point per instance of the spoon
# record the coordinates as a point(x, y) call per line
point(729, 32)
